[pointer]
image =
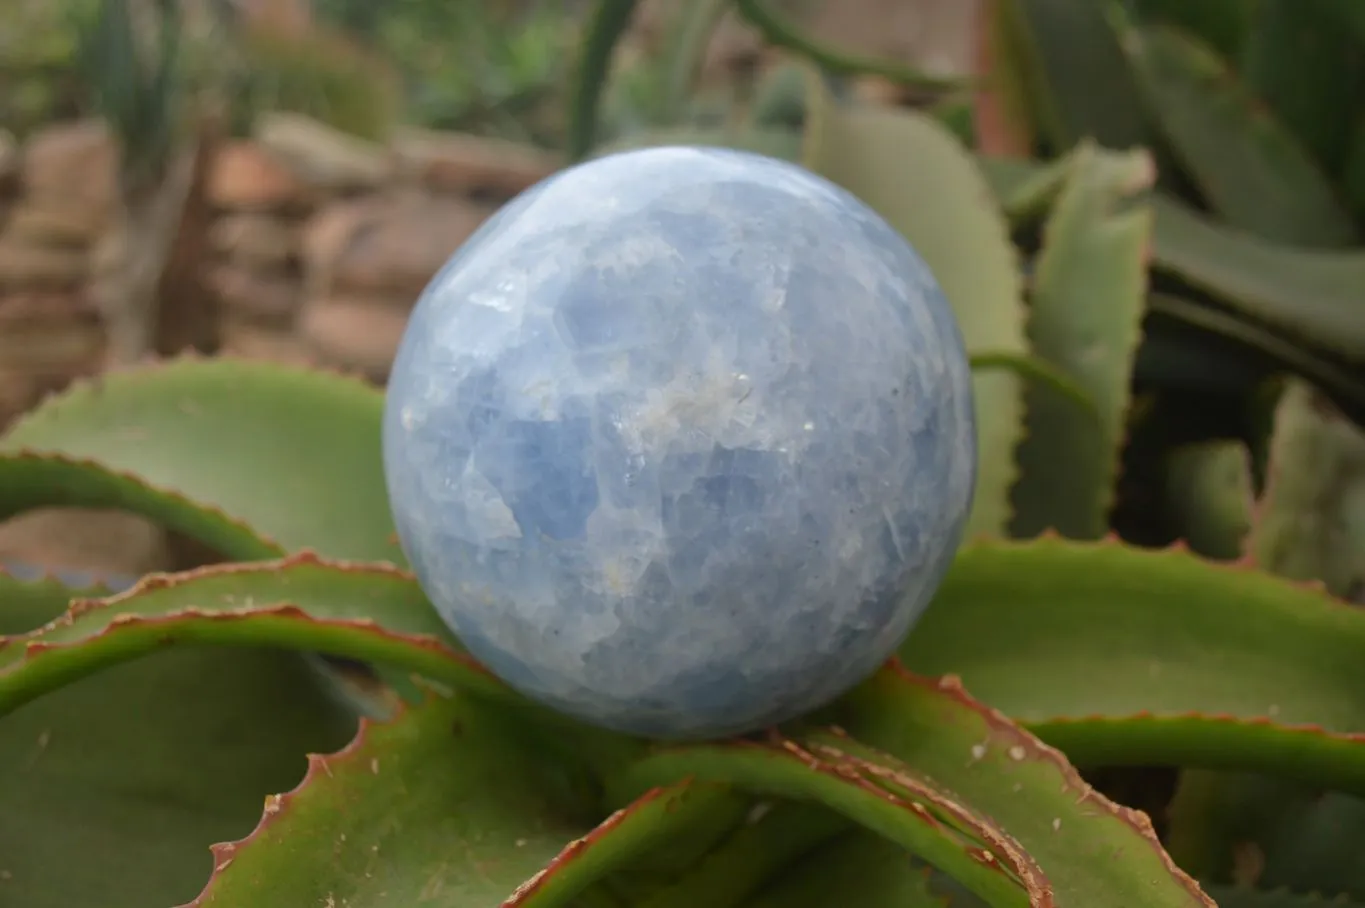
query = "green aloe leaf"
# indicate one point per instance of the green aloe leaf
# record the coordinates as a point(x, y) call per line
point(1309, 294)
point(1093, 852)
point(1311, 520)
point(1308, 520)
point(1279, 353)
point(1087, 297)
point(188, 442)
point(1091, 92)
point(1252, 170)
point(919, 177)
point(446, 805)
point(920, 814)
point(115, 789)
point(1210, 489)
point(1309, 71)
point(1313, 294)
point(1204, 664)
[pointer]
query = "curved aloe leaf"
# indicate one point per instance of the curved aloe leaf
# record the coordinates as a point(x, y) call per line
point(919, 814)
point(1308, 519)
point(1311, 520)
point(1344, 384)
point(362, 611)
point(1311, 294)
point(187, 442)
point(1093, 851)
point(115, 789)
point(1085, 319)
point(446, 805)
point(367, 612)
point(1253, 171)
point(1090, 89)
point(1200, 663)
point(921, 179)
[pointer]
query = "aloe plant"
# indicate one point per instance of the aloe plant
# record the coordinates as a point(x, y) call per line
point(296, 726)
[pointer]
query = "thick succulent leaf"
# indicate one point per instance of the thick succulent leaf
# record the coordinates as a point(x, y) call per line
point(1210, 490)
point(1203, 664)
point(1282, 354)
point(1306, 529)
point(1085, 318)
point(1091, 91)
point(1093, 852)
point(1311, 294)
point(1311, 520)
point(361, 611)
point(875, 869)
point(918, 812)
point(367, 612)
point(114, 789)
point(445, 806)
point(1253, 171)
point(919, 177)
point(188, 442)
point(1305, 67)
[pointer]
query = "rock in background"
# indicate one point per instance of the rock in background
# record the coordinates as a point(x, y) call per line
point(255, 274)
point(367, 259)
point(55, 200)
point(320, 242)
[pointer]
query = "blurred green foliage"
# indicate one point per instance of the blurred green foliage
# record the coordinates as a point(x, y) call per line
point(38, 42)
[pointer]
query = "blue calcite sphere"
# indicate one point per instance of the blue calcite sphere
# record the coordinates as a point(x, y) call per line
point(681, 441)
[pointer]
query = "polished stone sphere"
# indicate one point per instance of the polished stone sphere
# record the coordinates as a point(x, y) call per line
point(681, 441)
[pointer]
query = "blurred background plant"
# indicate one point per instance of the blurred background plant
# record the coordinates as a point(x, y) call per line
point(1156, 205)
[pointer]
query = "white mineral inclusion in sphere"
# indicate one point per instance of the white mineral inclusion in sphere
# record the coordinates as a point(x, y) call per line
point(681, 441)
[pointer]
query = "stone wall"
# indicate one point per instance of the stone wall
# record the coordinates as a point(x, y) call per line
point(320, 243)
point(55, 198)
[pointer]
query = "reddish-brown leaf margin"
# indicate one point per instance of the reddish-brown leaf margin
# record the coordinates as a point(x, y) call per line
point(1022, 744)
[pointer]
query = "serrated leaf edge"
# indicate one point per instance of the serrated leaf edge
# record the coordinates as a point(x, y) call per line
point(1030, 746)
